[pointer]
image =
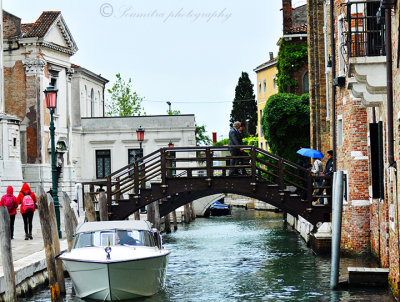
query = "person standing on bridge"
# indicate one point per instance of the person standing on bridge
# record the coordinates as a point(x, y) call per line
point(235, 139)
point(328, 181)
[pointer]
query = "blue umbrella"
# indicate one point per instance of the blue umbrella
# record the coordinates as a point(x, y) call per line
point(310, 153)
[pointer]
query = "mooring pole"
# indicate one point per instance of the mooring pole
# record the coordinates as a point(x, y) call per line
point(337, 200)
point(6, 256)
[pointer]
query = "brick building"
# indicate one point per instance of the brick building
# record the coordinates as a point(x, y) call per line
point(363, 109)
point(295, 32)
point(319, 57)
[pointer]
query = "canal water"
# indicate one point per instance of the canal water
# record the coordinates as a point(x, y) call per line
point(249, 256)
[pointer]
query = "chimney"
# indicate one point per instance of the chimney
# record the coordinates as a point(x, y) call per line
point(271, 55)
point(287, 15)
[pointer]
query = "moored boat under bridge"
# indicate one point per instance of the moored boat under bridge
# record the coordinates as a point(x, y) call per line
point(179, 175)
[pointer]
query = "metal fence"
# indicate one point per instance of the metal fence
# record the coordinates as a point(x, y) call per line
point(365, 29)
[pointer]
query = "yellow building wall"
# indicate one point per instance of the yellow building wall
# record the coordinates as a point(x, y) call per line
point(269, 76)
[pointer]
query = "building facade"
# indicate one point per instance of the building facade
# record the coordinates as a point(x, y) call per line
point(295, 33)
point(88, 145)
point(106, 144)
point(266, 86)
point(364, 122)
point(38, 54)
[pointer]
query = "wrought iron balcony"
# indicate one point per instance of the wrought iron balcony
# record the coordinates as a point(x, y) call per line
point(365, 29)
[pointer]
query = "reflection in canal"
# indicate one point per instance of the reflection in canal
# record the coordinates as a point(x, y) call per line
point(249, 256)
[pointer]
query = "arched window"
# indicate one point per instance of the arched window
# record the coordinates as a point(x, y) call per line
point(306, 87)
point(92, 103)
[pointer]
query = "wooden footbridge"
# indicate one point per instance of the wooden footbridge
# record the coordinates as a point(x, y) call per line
point(177, 176)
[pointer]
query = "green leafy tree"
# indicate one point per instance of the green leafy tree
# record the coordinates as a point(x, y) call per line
point(286, 124)
point(244, 107)
point(223, 142)
point(291, 57)
point(124, 100)
point(202, 139)
point(173, 112)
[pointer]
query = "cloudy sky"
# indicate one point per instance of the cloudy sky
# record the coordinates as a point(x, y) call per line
point(188, 52)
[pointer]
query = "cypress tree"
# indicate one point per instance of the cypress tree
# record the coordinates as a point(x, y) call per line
point(244, 107)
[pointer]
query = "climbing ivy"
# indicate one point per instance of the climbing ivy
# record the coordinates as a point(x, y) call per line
point(290, 58)
point(286, 124)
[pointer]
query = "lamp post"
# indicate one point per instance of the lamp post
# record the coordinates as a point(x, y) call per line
point(169, 107)
point(171, 154)
point(140, 138)
point(51, 102)
point(329, 64)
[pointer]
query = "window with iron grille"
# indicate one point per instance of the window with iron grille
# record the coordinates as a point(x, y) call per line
point(103, 163)
point(365, 29)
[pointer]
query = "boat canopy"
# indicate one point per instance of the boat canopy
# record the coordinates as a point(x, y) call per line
point(114, 225)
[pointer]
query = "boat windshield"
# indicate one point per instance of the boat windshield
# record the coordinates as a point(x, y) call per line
point(114, 237)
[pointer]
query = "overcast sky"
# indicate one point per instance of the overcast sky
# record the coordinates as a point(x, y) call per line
point(188, 52)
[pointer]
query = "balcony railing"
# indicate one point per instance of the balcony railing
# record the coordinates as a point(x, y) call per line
point(365, 29)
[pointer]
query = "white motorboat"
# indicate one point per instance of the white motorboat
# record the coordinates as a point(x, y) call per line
point(116, 260)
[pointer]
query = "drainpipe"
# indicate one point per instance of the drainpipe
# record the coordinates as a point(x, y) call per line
point(389, 85)
point(333, 49)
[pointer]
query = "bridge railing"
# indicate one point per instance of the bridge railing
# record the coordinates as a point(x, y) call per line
point(210, 162)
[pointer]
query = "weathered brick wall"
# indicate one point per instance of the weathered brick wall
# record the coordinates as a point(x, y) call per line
point(14, 90)
point(393, 193)
point(352, 157)
point(366, 228)
point(11, 25)
point(356, 224)
point(287, 15)
point(380, 232)
point(355, 230)
point(319, 123)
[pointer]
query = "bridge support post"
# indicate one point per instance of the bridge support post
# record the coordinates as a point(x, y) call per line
point(174, 220)
point(157, 219)
point(193, 214)
point(167, 223)
point(336, 226)
point(186, 213)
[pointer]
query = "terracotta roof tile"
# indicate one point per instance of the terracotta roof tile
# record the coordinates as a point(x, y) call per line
point(74, 65)
point(42, 24)
point(26, 27)
point(301, 29)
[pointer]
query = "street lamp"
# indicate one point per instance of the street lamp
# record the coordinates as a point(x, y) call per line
point(169, 107)
point(51, 102)
point(171, 154)
point(329, 64)
point(140, 138)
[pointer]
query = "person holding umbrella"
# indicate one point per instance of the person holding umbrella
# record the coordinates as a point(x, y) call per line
point(327, 182)
point(317, 168)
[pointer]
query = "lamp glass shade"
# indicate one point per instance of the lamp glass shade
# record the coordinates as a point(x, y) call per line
point(329, 63)
point(51, 97)
point(140, 134)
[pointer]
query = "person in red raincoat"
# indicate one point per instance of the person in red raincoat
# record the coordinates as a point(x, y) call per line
point(26, 215)
point(10, 202)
